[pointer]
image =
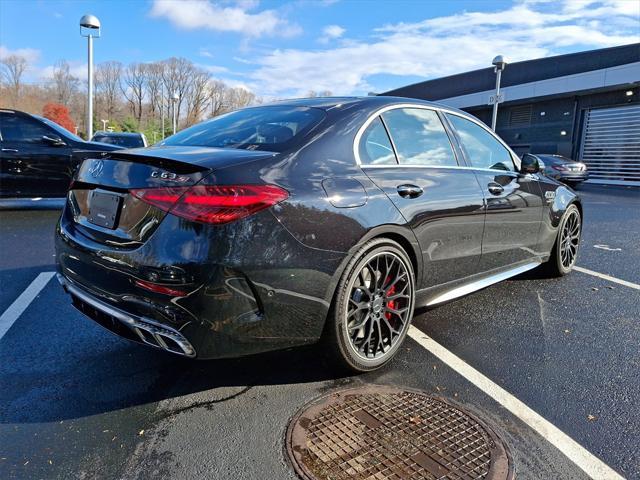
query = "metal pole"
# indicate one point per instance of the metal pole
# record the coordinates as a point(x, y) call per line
point(174, 117)
point(494, 117)
point(162, 108)
point(90, 89)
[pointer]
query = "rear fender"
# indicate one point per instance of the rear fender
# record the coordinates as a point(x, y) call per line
point(558, 201)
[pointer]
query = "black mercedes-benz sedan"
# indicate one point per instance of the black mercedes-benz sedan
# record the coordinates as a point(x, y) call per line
point(38, 157)
point(285, 224)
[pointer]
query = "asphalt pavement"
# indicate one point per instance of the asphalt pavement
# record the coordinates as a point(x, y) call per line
point(78, 402)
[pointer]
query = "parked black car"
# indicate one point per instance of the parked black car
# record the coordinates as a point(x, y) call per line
point(324, 218)
point(122, 139)
point(562, 168)
point(38, 157)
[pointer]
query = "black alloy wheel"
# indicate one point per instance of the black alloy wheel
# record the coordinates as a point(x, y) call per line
point(565, 251)
point(374, 305)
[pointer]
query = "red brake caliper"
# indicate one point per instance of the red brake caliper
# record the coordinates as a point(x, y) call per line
point(390, 303)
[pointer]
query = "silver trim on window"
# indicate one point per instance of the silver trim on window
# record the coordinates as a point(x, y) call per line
point(380, 111)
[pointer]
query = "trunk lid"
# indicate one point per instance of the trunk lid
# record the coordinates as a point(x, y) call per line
point(101, 200)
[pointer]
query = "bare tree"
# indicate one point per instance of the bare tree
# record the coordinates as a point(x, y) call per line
point(135, 79)
point(175, 76)
point(13, 67)
point(197, 96)
point(239, 98)
point(108, 76)
point(63, 82)
point(123, 91)
point(217, 97)
point(154, 87)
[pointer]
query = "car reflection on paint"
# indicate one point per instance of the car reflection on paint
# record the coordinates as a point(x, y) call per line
point(563, 169)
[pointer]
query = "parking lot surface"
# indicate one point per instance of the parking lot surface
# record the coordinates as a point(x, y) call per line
point(77, 402)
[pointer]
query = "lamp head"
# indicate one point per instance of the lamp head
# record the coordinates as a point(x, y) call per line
point(499, 62)
point(91, 24)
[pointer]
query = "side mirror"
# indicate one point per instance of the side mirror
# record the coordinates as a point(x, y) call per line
point(53, 140)
point(529, 164)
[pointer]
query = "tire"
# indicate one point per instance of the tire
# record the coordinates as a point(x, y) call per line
point(559, 264)
point(372, 307)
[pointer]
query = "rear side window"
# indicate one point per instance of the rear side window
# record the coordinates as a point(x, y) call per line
point(121, 140)
point(419, 137)
point(375, 147)
point(18, 129)
point(272, 128)
point(482, 149)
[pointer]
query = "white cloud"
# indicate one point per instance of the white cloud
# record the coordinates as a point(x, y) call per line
point(203, 52)
point(76, 68)
point(450, 44)
point(206, 14)
point(331, 32)
point(214, 69)
point(31, 55)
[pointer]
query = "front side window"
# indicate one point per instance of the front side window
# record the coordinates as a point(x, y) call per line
point(273, 128)
point(15, 128)
point(375, 147)
point(482, 149)
point(419, 137)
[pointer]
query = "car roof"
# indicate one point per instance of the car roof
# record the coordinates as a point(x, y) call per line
point(118, 134)
point(327, 103)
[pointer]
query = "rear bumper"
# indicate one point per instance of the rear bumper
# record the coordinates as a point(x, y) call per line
point(124, 324)
point(248, 287)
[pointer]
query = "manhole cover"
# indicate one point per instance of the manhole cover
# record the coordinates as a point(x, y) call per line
point(380, 432)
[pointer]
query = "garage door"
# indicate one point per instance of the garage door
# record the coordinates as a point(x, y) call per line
point(611, 145)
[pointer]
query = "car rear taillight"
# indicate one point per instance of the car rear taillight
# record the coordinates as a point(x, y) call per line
point(216, 204)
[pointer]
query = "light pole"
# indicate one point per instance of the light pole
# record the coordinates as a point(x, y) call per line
point(162, 108)
point(90, 27)
point(499, 63)
point(175, 99)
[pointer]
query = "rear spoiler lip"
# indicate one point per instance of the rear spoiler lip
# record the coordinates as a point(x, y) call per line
point(156, 161)
point(189, 159)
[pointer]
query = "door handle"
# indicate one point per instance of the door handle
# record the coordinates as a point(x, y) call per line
point(409, 191)
point(13, 150)
point(495, 188)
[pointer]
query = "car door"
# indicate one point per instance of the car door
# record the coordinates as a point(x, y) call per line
point(32, 164)
point(514, 201)
point(407, 152)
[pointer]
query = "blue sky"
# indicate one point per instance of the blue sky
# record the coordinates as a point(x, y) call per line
point(285, 48)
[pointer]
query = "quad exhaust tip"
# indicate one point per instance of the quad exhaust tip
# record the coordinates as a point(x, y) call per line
point(126, 325)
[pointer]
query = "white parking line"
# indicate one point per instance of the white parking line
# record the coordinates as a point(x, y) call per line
point(21, 303)
point(590, 464)
point(608, 277)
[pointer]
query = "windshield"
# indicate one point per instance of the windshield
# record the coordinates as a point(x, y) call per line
point(61, 130)
point(261, 128)
point(130, 141)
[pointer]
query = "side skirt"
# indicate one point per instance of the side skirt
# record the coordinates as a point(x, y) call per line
point(476, 285)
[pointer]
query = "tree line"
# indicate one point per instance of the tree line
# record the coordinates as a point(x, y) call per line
point(129, 97)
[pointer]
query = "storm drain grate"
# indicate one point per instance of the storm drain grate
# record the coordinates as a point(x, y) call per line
point(378, 432)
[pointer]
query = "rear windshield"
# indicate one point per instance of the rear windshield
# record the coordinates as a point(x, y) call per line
point(260, 128)
point(122, 140)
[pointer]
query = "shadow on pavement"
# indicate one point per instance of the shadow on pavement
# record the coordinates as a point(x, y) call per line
point(105, 373)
